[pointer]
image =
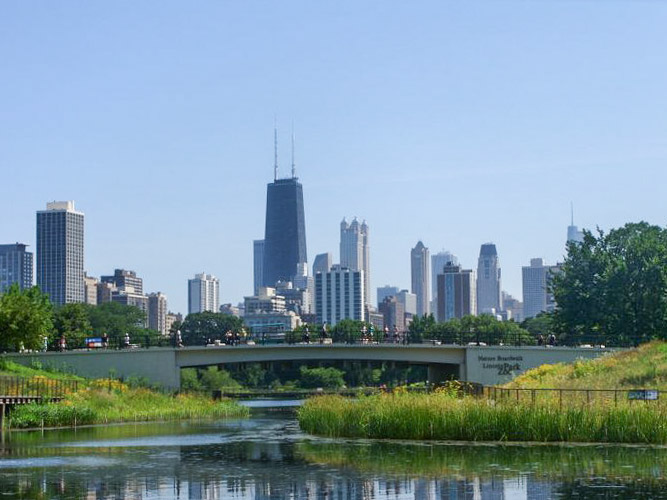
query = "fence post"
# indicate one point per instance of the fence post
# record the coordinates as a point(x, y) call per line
point(560, 399)
point(615, 398)
point(533, 396)
point(588, 396)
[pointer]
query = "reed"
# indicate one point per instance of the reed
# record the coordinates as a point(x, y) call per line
point(442, 416)
point(121, 404)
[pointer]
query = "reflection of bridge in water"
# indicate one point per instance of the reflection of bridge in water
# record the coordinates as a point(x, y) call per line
point(487, 365)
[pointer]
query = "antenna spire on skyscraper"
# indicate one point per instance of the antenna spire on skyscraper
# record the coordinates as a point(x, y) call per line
point(293, 165)
point(571, 214)
point(275, 150)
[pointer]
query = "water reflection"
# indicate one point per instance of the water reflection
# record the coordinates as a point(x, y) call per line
point(269, 458)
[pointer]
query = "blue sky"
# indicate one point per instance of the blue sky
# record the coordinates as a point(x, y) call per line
point(456, 123)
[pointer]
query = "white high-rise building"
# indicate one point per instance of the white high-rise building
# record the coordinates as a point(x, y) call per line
point(489, 298)
point(339, 294)
point(536, 279)
point(203, 293)
point(355, 251)
point(420, 274)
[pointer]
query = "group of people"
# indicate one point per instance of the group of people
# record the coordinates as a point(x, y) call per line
point(550, 340)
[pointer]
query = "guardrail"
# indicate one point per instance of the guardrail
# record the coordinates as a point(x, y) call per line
point(569, 396)
point(36, 386)
point(481, 339)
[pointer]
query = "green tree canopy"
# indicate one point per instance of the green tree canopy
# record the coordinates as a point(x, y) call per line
point(116, 319)
point(614, 285)
point(197, 328)
point(71, 320)
point(25, 318)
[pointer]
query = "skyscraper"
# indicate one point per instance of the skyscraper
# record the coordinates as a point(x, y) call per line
point(15, 266)
point(258, 264)
point(438, 262)
point(456, 293)
point(573, 233)
point(386, 291)
point(489, 299)
point(536, 279)
point(285, 232)
point(339, 294)
point(60, 252)
point(157, 313)
point(322, 263)
point(203, 293)
point(419, 267)
point(355, 251)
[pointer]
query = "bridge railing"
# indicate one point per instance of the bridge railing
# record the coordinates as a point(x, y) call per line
point(378, 338)
point(36, 386)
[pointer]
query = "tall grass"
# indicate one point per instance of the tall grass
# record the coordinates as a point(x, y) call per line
point(644, 367)
point(445, 417)
point(121, 404)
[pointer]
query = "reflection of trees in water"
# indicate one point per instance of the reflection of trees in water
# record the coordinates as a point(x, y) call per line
point(274, 469)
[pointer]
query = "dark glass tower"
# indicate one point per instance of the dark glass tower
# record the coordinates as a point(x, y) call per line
point(285, 232)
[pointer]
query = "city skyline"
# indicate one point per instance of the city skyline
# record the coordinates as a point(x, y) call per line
point(165, 142)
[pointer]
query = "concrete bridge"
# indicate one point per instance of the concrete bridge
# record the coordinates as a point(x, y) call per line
point(487, 365)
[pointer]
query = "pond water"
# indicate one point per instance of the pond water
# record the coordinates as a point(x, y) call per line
point(268, 457)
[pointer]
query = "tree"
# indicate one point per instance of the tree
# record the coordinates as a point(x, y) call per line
point(312, 378)
point(614, 285)
point(198, 328)
point(25, 318)
point(116, 319)
point(71, 321)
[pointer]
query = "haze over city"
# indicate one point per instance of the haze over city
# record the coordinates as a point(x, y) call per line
point(451, 123)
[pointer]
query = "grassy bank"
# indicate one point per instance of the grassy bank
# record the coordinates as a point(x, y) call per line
point(443, 416)
point(644, 367)
point(102, 402)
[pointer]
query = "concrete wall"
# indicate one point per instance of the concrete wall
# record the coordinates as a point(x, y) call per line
point(497, 365)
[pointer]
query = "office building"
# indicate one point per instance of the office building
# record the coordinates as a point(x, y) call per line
point(128, 297)
point(489, 299)
point(90, 288)
point(420, 266)
point(355, 251)
point(456, 293)
point(438, 263)
point(409, 301)
point(171, 320)
point(203, 293)
point(123, 279)
point(339, 294)
point(267, 313)
point(157, 313)
point(322, 263)
point(537, 296)
point(285, 231)
point(386, 291)
point(60, 253)
point(393, 314)
point(258, 264)
point(573, 233)
point(104, 292)
point(513, 307)
point(15, 266)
